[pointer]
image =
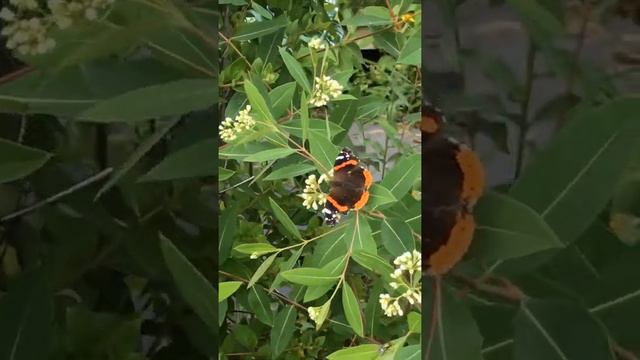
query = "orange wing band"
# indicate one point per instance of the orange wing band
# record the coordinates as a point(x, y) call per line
point(349, 162)
point(368, 179)
point(473, 174)
point(428, 124)
point(363, 201)
point(336, 205)
point(457, 245)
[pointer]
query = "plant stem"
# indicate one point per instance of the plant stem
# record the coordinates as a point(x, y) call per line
point(524, 107)
point(384, 156)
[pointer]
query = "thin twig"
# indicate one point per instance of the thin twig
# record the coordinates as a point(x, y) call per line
point(97, 177)
point(12, 75)
point(623, 353)
point(23, 128)
point(506, 289)
point(230, 43)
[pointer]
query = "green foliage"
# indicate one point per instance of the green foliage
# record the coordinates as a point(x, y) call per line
point(106, 142)
point(311, 287)
point(549, 272)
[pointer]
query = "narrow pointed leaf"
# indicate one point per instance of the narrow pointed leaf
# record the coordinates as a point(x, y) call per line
point(403, 175)
point(284, 219)
point(295, 69)
point(309, 276)
point(351, 308)
point(227, 288)
point(261, 270)
point(17, 160)
point(283, 329)
point(193, 286)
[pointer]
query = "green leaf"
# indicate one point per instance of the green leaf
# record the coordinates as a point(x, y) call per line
point(284, 219)
point(389, 42)
point(373, 262)
point(92, 335)
point(261, 270)
point(323, 151)
point(507, 228)
point(133, 159)
point(309, 276)
point(222, 311)
point(248, 31)
point(400, 179)
point(257, 248)
point(365, 20)
point(190, 162)
point(193, 286)
point(268, 155)
point(169, 99)
point(281, 98)
point(364, 352)
point(548, 329)
point(290, 171)
point(411, 53)
point(283, 329)
point(397, 236)
point(415, 322)
point(258, 102)
point(224, 174)
point(294, 127)
point(343, 114)
point(304, 117)
point(351, 308)
point(333, 268)
point(227, 232)
point(26, 315)
point(295, 69)
point(287, 265)
point(359, 231)
point(411, 352)
point(379, 195)
point(323, 312)
point(227, 288)
point(456, 334)
point(18, 161)
point(588, 156)
point(259, 303)
point(372, 311)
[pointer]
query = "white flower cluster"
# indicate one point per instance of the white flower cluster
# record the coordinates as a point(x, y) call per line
point(63, 12)
point(325, 89)
point(317, 44)
point(314, 312)
point(390, 306)
point(27, 36)
point(410, 262)
point(230, 128)
point(28, 26)
point(312, 195)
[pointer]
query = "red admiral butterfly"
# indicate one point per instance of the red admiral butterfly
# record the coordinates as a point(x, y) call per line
point(452, 182)
point(349, 187)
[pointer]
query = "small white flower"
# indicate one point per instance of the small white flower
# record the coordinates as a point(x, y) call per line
point(253, 255)
point(325, 89)
point(7, 15)
point(91, 14)
point(313, 312)
point(313, 197)
point(410, 262)
point(317, 44)
point(230, 128)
